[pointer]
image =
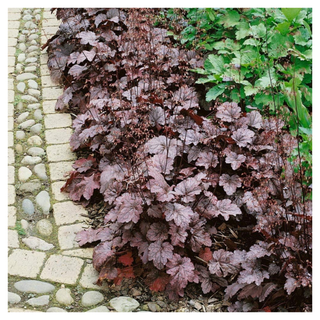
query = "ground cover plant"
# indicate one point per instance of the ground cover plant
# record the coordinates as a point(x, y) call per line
point(195, 193)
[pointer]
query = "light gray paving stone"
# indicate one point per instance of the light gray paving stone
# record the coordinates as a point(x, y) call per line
point(99, 309)
point(13, 239)
point(11, 194)
point(28, 207)
point(36, 151)
point(67, 236)
point(10, 175)
point(47, 82)
point(39, 301)
point(10, 95)
point(24, 174)
point(37, 243)
point(10, 123)
point(35, 140)
point(20, 135)
point(10, 156)
point(60, 170)
point(13, 33)
point(44, 69)
point(26, 76)
point(23, 116)
point(62, 269)
point(11, 63)
point(91, 298)
point(51, 93)
point(57, 136)
point(58, 120)
point(10, 84)
point(44, 227)
point(57, 194)
point(26, 124)
point(36, 128)
point(40, 171)
point(13, 298)
point(60, 152)
point(21, 87)
point(32, 84)
point(31, 160)
point(48, 106)
point(29, 98)
point(124, 304)
point(43, 201)
point(30, 186)
point(81, 253)
point(89, 279)
point(64, 297)
point(10, 139)
point(55, 309)
point(21, 310)
point(34, 286)
point(10, 110)
point(50, 30)
point(12, 42)
point(25, 263)
point(13, 25)
point(12, 216)
point(67, 212)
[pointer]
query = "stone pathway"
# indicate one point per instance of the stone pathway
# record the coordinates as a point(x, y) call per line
point(48, 271)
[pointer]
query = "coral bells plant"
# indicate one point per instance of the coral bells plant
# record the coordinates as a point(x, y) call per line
point(192, 196)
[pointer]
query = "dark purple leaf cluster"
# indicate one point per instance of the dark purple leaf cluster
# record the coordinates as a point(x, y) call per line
point(171, 175)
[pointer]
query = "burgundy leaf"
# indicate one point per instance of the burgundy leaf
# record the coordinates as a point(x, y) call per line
point(291, 285)
point(199, 237)
point(178, 235)
point(84, 164)
point(181, 271)
point(99, 18)
point(221, 264)
point(232, 289)
point(228, 111)
point(161, 163)
point(234, 159)
point(101, 253)
point(157, 116)
point(76, 70)
point(251, 290)
point(242, 137)
point(255, 119)
point(140, 242)
point(157, 231)
point(207, 160)
point(155, 211)
point(230, 183)
point(159, 252)
point(180, 214)
point(266, 290)
point(188, 189)
point(225, 208)
point(162, 145)
point(87, 37)
point(86, 55)
point(88, 236)
point(160, 187)
point(129, 207)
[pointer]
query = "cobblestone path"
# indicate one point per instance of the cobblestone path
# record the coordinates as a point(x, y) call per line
point(47, 269)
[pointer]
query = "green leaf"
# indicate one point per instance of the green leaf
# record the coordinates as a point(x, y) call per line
point(215, 64)
point(215, 91)
point(243, 30)
point(210, 13)
point(259, 30)
point(307, 131)
point(230, 19)
point(283, 28)
point(252, 42)
point(302, 37)
point(250, 90)
point(291, 13)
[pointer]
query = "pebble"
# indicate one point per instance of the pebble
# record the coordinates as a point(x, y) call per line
point(64, 297)
point(23, 116)
point(35, 140)
point(30, 25)
point(30, 69)
point(34, 286)
point(43, 201)
point(31, 160)
point(33, 37)
point(124, 304)
point(30, 186)
point(26, 76)
point(91, 298)
point(13, 298)
point(24, 174)
point(44, 227)
point(34, 92)
point(21, 57)
point(20, 105)
point(37, 17)
point(22, 38)
point(36, 128)
point(24, 224)
point(28, 60)
point(29, 98)
point(34, 106)
point(27, 207)
point(32, 54)
point(19, 148)
point(99, 309)
point(21, 87)
point(40, 171)
point(19, 67)
point(22, 47)
point(55, 309)
point(20, 135)
point(36, 11)
point(39, 301)
point(37, 243)
point(27, 17)
point(153, 307)
point(27, 124)
point(33, 42)
point(32, 84)
point(36, 151)
point(135, 292)
point(33, 48)
point(37, 114)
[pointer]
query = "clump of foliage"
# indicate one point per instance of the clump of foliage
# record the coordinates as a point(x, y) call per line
point(192, 195)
